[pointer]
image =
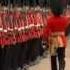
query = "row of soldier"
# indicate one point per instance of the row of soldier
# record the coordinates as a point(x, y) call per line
point(21, 24)
point(21, 30)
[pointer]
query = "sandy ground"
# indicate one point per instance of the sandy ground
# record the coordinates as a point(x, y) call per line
point(45, 63)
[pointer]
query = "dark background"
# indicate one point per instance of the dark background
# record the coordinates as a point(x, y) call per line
point(42, 3)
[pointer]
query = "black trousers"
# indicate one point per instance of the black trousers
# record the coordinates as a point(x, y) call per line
point(10, 57)
point(23, 54)
point(61, 60)
point(35, 49)
point(2, 54)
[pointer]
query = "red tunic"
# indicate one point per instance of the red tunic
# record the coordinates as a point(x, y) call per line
point(4, 33)
point(30, 23)
point(1, 27)
point(57, 24)
point(10, 28)
point(38, 20)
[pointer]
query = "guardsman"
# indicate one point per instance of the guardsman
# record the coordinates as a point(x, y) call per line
point(56, 26)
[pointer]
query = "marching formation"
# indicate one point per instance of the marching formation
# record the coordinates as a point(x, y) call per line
point(25, 25)
point(19, 26)
point(21, 31)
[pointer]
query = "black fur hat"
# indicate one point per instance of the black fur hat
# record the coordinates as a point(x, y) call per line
point(56, 7)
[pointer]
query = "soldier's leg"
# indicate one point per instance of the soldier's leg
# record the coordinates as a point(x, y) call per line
point(1, 57)
point(61, 58)
point(53, 63)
